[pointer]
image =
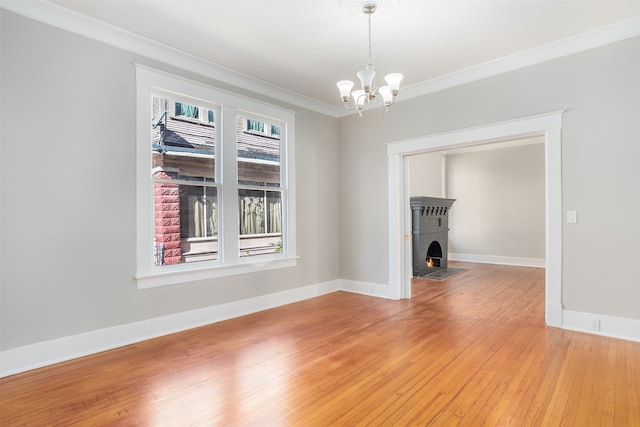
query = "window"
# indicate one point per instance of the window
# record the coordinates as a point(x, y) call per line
point(260, 211)
point(187, 111)
point(213, 199)
point(256, 126)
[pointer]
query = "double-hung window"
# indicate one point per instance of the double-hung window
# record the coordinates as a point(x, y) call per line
point(214, 182)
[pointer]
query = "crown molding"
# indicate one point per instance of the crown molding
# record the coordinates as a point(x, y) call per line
point(60, 17)
point(74, 22)
point(589, 40)
point(568, 46)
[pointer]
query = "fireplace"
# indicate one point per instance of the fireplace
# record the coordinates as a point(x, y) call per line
point(430, 230)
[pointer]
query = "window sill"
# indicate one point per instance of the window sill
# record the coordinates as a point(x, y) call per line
point(166, 277)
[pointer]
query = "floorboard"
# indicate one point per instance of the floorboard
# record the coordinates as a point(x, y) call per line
point(469, 350)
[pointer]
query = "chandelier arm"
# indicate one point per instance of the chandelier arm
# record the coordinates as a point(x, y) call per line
point(362, 100)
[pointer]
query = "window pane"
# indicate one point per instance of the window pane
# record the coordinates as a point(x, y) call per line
point(252, 213)
point(186, 110)
point(182, 149)
point(260, 222)
point(198, 212)
point(258, 155)
point(186, 223)
point(274, 212)
point(255, 125)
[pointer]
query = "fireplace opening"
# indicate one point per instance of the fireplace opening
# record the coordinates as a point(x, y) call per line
point(434, 255)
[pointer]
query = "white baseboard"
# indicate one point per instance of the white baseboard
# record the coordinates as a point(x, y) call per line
point(366, 288)
point(599, 324)
point(498, 259)
point(553, 315)
point(45, 353)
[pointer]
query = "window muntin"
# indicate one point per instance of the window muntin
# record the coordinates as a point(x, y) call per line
point(222, 108)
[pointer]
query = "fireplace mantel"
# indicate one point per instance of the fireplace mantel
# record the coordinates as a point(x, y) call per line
point(424, 202)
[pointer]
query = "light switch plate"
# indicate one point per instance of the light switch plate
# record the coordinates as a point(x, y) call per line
point(572, 217)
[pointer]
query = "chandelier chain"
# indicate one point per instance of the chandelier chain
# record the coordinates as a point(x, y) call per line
point(370, 63)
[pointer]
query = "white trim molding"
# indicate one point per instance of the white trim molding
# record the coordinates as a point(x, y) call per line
point(366, 288)
point(74, 22)
point(45, 353)
point(66, 19)
point(33, 356)
point(548, 125)
point(498, 259)
point(581, 42)
point(599, 324)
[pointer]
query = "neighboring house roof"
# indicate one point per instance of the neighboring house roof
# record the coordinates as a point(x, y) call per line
point(199, 138)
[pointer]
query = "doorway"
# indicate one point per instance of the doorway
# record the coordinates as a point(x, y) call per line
point(547, 125)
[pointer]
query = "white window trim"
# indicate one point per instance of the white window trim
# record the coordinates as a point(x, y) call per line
point(229, 263)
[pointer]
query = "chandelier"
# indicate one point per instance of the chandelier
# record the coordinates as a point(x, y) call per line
point(368, 94)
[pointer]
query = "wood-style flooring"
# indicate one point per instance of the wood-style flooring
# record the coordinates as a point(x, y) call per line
point(471, 350)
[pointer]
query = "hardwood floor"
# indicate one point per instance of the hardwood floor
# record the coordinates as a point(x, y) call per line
point(470, 350)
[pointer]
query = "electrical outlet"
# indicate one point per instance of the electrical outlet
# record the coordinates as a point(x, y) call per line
point(595, 325)
point(572, 217)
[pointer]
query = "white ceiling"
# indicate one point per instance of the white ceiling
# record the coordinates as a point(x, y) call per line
point(305, 46)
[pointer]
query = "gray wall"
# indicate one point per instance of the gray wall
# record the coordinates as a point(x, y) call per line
point(68, 194)
point(425, 174)
point(600, 90)
point(500, 206)
point(499, 192)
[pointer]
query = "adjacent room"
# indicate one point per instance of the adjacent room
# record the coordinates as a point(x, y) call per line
point(313, 213)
